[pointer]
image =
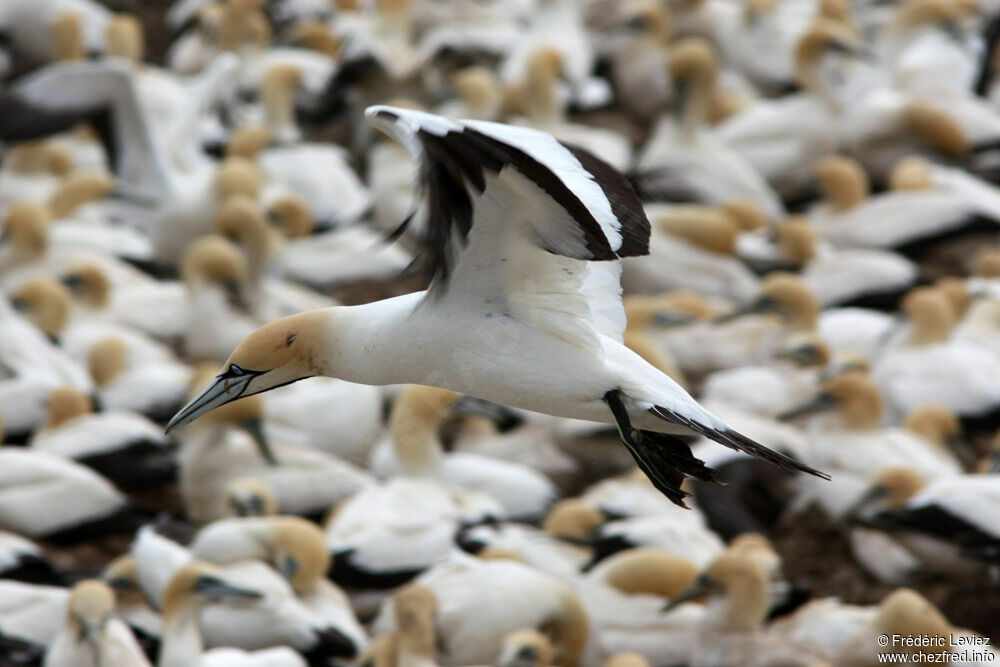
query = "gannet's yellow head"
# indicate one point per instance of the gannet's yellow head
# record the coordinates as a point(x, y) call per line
point(807, 350)
point(931, 314)
point(107, 359)
point(906, 612)
point(711, 229)
point(414, 607)
point(692, 60)
point(784, 294)
point(125, 38)
point(942, 14)
point(911, 173)
point(45, 303)
point(120, 575)
point(239, 220)
point(957, 293)
point(67, 36)
point(746, 214)
point(197, 583)
point(317, 36)
point(855, 397)
point(936, 129)
point(744, 584)
point(759, 548)
point(66, 403)
point(650, 572)
point(824, 37)
point(986, 263)
point(526, 647)
point(796, 240)
point(890, 488)
point(481, 91)
point(47, 157)
point(91, 603)
point(836, 10)
point(843, 181)
point(279, 353)
point(214, 260)
point(88, 283)
point(627, 659)
point(573, 519)
point(247, 141)
point(299, 551)
point(237, 176)
point(935, 422)
point(290, 215)
point(652, 20)
point(249, 496)
point(26, 229)
point(78, 188)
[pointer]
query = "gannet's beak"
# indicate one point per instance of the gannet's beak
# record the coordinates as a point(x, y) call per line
point(822, 401)
point(227, 387)
point(667, 318)
point(219, 589)
point(764, 304)
point(255, 429)
point(699, 588)
point(867, 498)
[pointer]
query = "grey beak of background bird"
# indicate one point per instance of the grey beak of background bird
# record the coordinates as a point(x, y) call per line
point(820, 402)
point(218, 393)
point(699, 588)
point(869, 496)
point(764, 304)
point(223, 590)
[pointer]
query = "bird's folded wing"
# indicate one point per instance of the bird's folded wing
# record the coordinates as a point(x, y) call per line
point(522, 225)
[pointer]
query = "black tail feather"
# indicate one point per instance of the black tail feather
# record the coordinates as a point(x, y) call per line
point(737, 441)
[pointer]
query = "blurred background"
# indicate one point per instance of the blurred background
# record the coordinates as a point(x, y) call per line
point(821, 177)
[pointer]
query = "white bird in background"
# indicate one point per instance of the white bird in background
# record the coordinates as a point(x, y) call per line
point(684, 159)
point(93, 631)
point(535, 213)
point(775, 206)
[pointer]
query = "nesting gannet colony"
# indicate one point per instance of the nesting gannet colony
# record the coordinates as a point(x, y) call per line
point(600, 333)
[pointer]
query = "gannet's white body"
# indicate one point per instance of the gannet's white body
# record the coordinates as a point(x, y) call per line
point(526, 235)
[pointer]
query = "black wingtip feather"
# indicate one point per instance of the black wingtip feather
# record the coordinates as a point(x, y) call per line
point(625, 204)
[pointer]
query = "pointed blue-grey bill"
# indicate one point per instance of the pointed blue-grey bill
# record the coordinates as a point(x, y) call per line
point(225, 388)
point(223, 590)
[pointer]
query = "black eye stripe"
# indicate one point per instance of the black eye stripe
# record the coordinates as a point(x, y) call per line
point(234, 371)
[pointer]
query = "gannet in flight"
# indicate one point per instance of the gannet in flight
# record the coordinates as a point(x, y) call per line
point(525, 309)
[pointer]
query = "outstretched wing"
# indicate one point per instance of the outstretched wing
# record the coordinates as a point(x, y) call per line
point(61, 95)
point(522, 225)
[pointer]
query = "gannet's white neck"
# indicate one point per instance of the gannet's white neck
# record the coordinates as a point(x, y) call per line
point(182, 644)
point(413, 425)
point(376, 343)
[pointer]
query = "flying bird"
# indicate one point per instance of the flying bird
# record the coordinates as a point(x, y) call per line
point(525, 238)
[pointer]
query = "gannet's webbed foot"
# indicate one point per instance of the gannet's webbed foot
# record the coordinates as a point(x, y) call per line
point(664, 459)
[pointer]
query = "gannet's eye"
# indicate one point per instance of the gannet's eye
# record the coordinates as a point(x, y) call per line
point(235, 371)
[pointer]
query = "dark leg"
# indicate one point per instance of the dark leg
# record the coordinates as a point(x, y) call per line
point(664, 459)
